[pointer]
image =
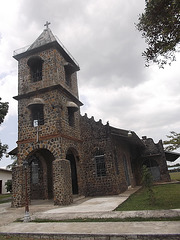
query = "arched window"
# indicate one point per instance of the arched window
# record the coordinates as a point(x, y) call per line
point(35, 63)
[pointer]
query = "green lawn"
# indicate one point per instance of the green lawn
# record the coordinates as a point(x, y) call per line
point(167, 197)
point(175, 176)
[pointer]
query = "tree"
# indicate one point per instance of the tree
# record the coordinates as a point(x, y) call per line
point(173, 142)
point(3, 111)
point(160, 26)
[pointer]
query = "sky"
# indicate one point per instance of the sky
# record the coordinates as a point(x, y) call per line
point(114, 83)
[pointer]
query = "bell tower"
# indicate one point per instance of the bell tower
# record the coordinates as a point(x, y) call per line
point(48, 120)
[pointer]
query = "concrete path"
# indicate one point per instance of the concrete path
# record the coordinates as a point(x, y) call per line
point(98, 207)
point(95, 228)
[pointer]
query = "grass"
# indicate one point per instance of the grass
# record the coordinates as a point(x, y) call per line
point(175, 176)
point(5, 198)
point(133, 219)
point(2, 237)
point(166, 197)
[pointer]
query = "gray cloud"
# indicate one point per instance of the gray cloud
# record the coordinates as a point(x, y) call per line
point(101, 34)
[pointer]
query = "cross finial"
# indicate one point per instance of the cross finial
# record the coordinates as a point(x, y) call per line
point(47, 24)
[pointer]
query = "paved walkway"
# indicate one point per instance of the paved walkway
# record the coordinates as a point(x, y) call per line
point(98, 207)
point(95, 228)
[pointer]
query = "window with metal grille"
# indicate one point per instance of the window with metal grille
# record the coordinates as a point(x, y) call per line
point(100, 165)
point(37, 114)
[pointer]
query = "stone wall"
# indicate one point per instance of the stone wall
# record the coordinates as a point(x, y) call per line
point(122, 150)
point(96, 136)
point(156, 153)
point(31, 236)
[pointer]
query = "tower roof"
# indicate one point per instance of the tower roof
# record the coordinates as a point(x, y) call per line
point(45, 41)
point(45, 38)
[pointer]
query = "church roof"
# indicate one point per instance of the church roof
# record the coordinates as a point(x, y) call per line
point(131, 138)
point(171, 156)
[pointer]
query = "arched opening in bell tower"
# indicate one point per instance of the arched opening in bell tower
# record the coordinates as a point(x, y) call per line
point(71, 156)
point(41, 180)
point(35, 63)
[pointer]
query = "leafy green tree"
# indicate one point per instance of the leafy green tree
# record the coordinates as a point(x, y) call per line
point(173, 142)
point(160, 26)
point(3, 149)
point(3, 111)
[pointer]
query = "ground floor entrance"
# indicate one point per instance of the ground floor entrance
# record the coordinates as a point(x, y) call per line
point(41, 175)
point(70, 156)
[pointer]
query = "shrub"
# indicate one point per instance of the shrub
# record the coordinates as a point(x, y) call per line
point(147, 182)
point(8, 185)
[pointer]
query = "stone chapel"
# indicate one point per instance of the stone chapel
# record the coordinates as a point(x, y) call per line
point(69, 154)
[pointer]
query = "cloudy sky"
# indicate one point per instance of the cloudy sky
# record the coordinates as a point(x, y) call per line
point(114, 85)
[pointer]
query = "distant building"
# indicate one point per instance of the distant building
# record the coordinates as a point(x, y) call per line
point(174, 169)
point(4, 176)
point(68, 153)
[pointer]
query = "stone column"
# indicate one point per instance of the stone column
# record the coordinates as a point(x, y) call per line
point(18, 186)
point(62, 183)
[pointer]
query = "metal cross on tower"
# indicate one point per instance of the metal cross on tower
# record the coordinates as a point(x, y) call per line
point(47, 24)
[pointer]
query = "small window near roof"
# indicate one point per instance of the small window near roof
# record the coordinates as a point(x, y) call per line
point(35, 64)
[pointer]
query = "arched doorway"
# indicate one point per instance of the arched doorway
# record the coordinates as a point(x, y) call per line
point(70, 156)
point(41, 180)
point(154, 168)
